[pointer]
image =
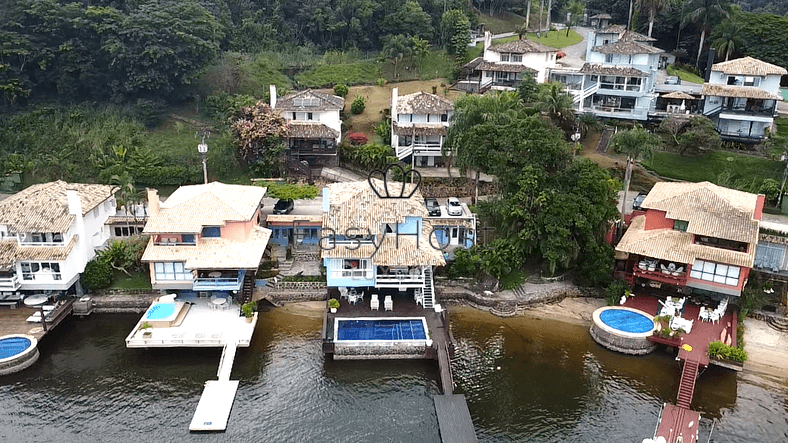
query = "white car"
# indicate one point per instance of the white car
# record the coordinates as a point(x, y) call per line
point(454, 208)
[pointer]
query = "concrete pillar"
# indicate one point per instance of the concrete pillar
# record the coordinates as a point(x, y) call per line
point(272, 90)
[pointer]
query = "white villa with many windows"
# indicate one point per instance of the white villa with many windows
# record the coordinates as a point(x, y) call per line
point(49, 232)
point(419, 123)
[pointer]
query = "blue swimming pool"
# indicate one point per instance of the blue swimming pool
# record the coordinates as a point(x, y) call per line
point(11, 346)
point(627, 321)
point(381, 330)
point(160, 311)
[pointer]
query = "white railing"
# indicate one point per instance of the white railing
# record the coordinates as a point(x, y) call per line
point(10, 283)
point(361, 274)
point(399, 279)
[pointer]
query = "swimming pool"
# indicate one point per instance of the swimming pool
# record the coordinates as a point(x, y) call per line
point(160, 311)
point(623, 329)
point(380, 330)
point(17, 352)
point(626, 320)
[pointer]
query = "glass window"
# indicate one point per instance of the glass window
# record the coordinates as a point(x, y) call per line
point(504, 57)
point(212, 231)
point(171, 271)
point(517, 58)
point(716, 272)
point(680, 225)
point(187, 238)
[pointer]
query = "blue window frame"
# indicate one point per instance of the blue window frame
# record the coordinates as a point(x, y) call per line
point(187, 238)
point(212, 231)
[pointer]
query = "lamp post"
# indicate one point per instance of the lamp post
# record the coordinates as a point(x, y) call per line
point(575, 138)
point(202, 148)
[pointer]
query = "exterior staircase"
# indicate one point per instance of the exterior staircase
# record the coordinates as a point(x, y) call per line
point(428, 290)
point(404, 151)
point(247, 288)
point(687, 384)
point(778, 323)
point(604, 140)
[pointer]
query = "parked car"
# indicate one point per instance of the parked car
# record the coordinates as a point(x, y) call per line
point(433, 208)
point(454, 208)
point(283, 206)
point(638, 201)
point(673, 80)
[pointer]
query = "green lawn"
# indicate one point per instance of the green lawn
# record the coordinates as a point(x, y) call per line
point(137, 280)
point(782, 126)
point(557, 39)
point(710, 166)
point(326, 76)
point(500, 24)
point(684, 75)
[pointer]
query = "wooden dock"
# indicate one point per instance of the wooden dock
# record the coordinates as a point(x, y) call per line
point(214, 407)
point(678, 424)
point(454, 419)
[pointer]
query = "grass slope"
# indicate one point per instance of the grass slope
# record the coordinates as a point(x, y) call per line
point(684, 75)
point(326, 76)
point(710, 166)
point(557, 39)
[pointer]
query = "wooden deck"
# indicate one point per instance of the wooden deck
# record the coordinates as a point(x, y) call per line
point(678, 424)
point(14, 321)
point(454, 419)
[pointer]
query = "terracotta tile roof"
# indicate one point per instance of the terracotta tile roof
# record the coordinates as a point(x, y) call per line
point(11, 252)
point(627, 47)
point(522, 46)
point(738, 91)
point(635, 36)
point(613, 29)
point(423, 103)
point(419, 129)
point(602, 16)
point(626, 71)
point(308, 129)
point(503, 67)
point(748, 66)
point(213, 253)
point(676, 246)
point(355, 205)
point(710, 209)
point(679, 95)
point(44, 207)
point(310, 100)
point(190, 208)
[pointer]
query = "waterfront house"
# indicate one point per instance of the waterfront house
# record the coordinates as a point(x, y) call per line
point(373, 240)
point(314, 124)
point(741, 98)
point(504, 66)
point(419, 123)
point(454, 231)
point(693, 238)
point(618, 78)
point(48, 233)
point(294, 230)
point(206, 239)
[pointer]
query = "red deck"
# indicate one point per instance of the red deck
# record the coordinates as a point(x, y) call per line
point(678, 422)
point(702, 332)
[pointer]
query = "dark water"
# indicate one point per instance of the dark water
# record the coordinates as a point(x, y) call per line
point(554, 385)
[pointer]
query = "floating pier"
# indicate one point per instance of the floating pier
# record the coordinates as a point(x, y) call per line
point(217, 399)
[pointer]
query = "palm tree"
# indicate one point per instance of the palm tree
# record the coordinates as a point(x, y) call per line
point(556, 103)
point(575, 9)
point(419, 48)
point(395, 48)
point(704, 13)
point(587, 121)
point(635, 143)
point(726, 38)
point(653, 7)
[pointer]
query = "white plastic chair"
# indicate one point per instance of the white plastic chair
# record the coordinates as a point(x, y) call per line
point(374, 303)
point(388, 305)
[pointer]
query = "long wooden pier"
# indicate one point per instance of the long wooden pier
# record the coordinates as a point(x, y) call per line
point(213, 410)
point(678, 422)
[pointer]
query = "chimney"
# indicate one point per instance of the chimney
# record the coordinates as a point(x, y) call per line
point(75, 208)
point(394, 115)
point(709, 64)
point(153, 201)
point(487, 40)
point(272, 90)
point(74, 204)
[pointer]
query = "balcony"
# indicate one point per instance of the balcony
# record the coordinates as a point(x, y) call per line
point(9, 283)
point(219, 280)
point(661, 272)
point(413, 278)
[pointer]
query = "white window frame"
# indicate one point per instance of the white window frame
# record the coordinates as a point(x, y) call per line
point(721, 273)
point(171, 271)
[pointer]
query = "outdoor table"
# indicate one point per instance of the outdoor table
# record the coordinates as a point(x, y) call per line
point(215, 274)
point(36, 300)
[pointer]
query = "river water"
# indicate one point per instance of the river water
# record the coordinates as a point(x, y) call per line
point(526, 379)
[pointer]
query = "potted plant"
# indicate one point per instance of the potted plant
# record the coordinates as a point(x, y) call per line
point(429, 339)
point(334, 305)
point(248, 310)
point(146, 330)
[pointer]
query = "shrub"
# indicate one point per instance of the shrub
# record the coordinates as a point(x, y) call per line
point(357, 138)
point(383, 130)
point(466, 264)
point(770, 188)
point(358, 105)
point(724, 352)
point(615, 290)
point(97, 275)
point(341, 90)
point(248, 309)
point(381, 82)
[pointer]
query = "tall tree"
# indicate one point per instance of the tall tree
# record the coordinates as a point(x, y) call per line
point(636, 143)
point(653, 7)
point(575, 9)
point(455, 32)
point(705, 14)
point(395, 49)
point(726, 38)
point(258, 133)
point(556, 103)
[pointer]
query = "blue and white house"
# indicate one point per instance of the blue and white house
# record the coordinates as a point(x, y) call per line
point(741, 98)
point(370, 241)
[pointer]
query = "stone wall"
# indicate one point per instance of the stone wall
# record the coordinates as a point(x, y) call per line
point(369, 352)
point(17, 364)
point(122, 303)
point(626, 345)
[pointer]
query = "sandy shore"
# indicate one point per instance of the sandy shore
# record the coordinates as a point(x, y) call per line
point(767, 349)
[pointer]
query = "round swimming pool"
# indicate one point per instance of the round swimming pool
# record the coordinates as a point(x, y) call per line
point(623, 329)
point(160, 311)
point(17, 352)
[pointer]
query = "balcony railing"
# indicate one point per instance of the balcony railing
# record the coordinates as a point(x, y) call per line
point(219, 283)
point(360, 274)
point(9, 283)
point(399, 280)
point(754, 111)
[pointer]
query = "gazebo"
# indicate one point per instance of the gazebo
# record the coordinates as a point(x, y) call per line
point(676, 102)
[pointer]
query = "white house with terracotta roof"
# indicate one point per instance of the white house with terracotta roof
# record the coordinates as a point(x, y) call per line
point(206, 238)
point(48, 233)
point(619, 76)
point(741, 98)
point(315, 127)
point(371, 242)
point(503, 67)
point(419, 122)
point(694, 238)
